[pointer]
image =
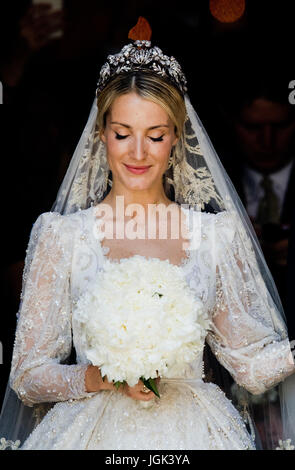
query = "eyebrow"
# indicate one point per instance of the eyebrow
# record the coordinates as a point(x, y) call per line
point(130, 127)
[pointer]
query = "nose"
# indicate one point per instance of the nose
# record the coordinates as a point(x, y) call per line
point(138, 150)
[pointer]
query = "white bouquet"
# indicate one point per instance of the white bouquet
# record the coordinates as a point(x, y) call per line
point(140, 320)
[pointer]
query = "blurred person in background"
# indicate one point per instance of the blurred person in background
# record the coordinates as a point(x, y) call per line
point(256, 140)
point(260, 124)
point(265, 137)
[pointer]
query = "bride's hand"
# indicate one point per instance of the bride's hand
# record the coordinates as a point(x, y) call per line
point(136, 392)
point(94, 383)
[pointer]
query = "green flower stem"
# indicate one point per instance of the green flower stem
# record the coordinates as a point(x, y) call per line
point(151, 385)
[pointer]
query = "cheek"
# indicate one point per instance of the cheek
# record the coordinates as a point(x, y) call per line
point(162, 152)
point(115, 148)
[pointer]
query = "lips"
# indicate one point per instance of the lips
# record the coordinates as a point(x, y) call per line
point(138, 170)
point(137, 167)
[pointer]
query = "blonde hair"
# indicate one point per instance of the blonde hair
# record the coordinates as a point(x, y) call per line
point(148, 85)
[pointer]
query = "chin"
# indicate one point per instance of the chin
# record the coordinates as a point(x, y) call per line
point(138, 186)
point(138, 182)
point(142, 182)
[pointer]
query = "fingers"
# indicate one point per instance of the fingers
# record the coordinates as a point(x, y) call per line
point(136, 392)
point(139, 391)
point(147, 395)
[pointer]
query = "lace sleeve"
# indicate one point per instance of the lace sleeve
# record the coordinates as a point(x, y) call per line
point(43, 335)
point(248, 336)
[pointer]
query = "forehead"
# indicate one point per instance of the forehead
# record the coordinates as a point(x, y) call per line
point(133, 109)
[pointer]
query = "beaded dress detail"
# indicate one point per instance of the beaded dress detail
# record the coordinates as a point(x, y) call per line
point(64, 254)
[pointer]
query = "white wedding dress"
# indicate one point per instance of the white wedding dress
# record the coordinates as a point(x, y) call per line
point(63, 255)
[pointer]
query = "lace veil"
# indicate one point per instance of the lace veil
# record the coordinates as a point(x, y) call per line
point(196, 178)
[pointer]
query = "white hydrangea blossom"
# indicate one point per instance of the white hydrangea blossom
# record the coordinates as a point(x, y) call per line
point(140, 316)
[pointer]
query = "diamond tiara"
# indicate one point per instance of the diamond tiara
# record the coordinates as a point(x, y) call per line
point(141, 56)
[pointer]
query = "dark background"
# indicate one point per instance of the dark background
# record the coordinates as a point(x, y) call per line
point(48, 92)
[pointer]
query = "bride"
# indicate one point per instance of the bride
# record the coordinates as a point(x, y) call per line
point(143, 147)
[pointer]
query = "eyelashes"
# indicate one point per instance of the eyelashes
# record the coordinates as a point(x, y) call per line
point(120, 137)
point(157, 139)
point(154, 139)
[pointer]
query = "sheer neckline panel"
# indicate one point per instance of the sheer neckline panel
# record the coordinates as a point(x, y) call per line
point(186, 261)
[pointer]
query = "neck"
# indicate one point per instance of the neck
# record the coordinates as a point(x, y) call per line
point(143, 198)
